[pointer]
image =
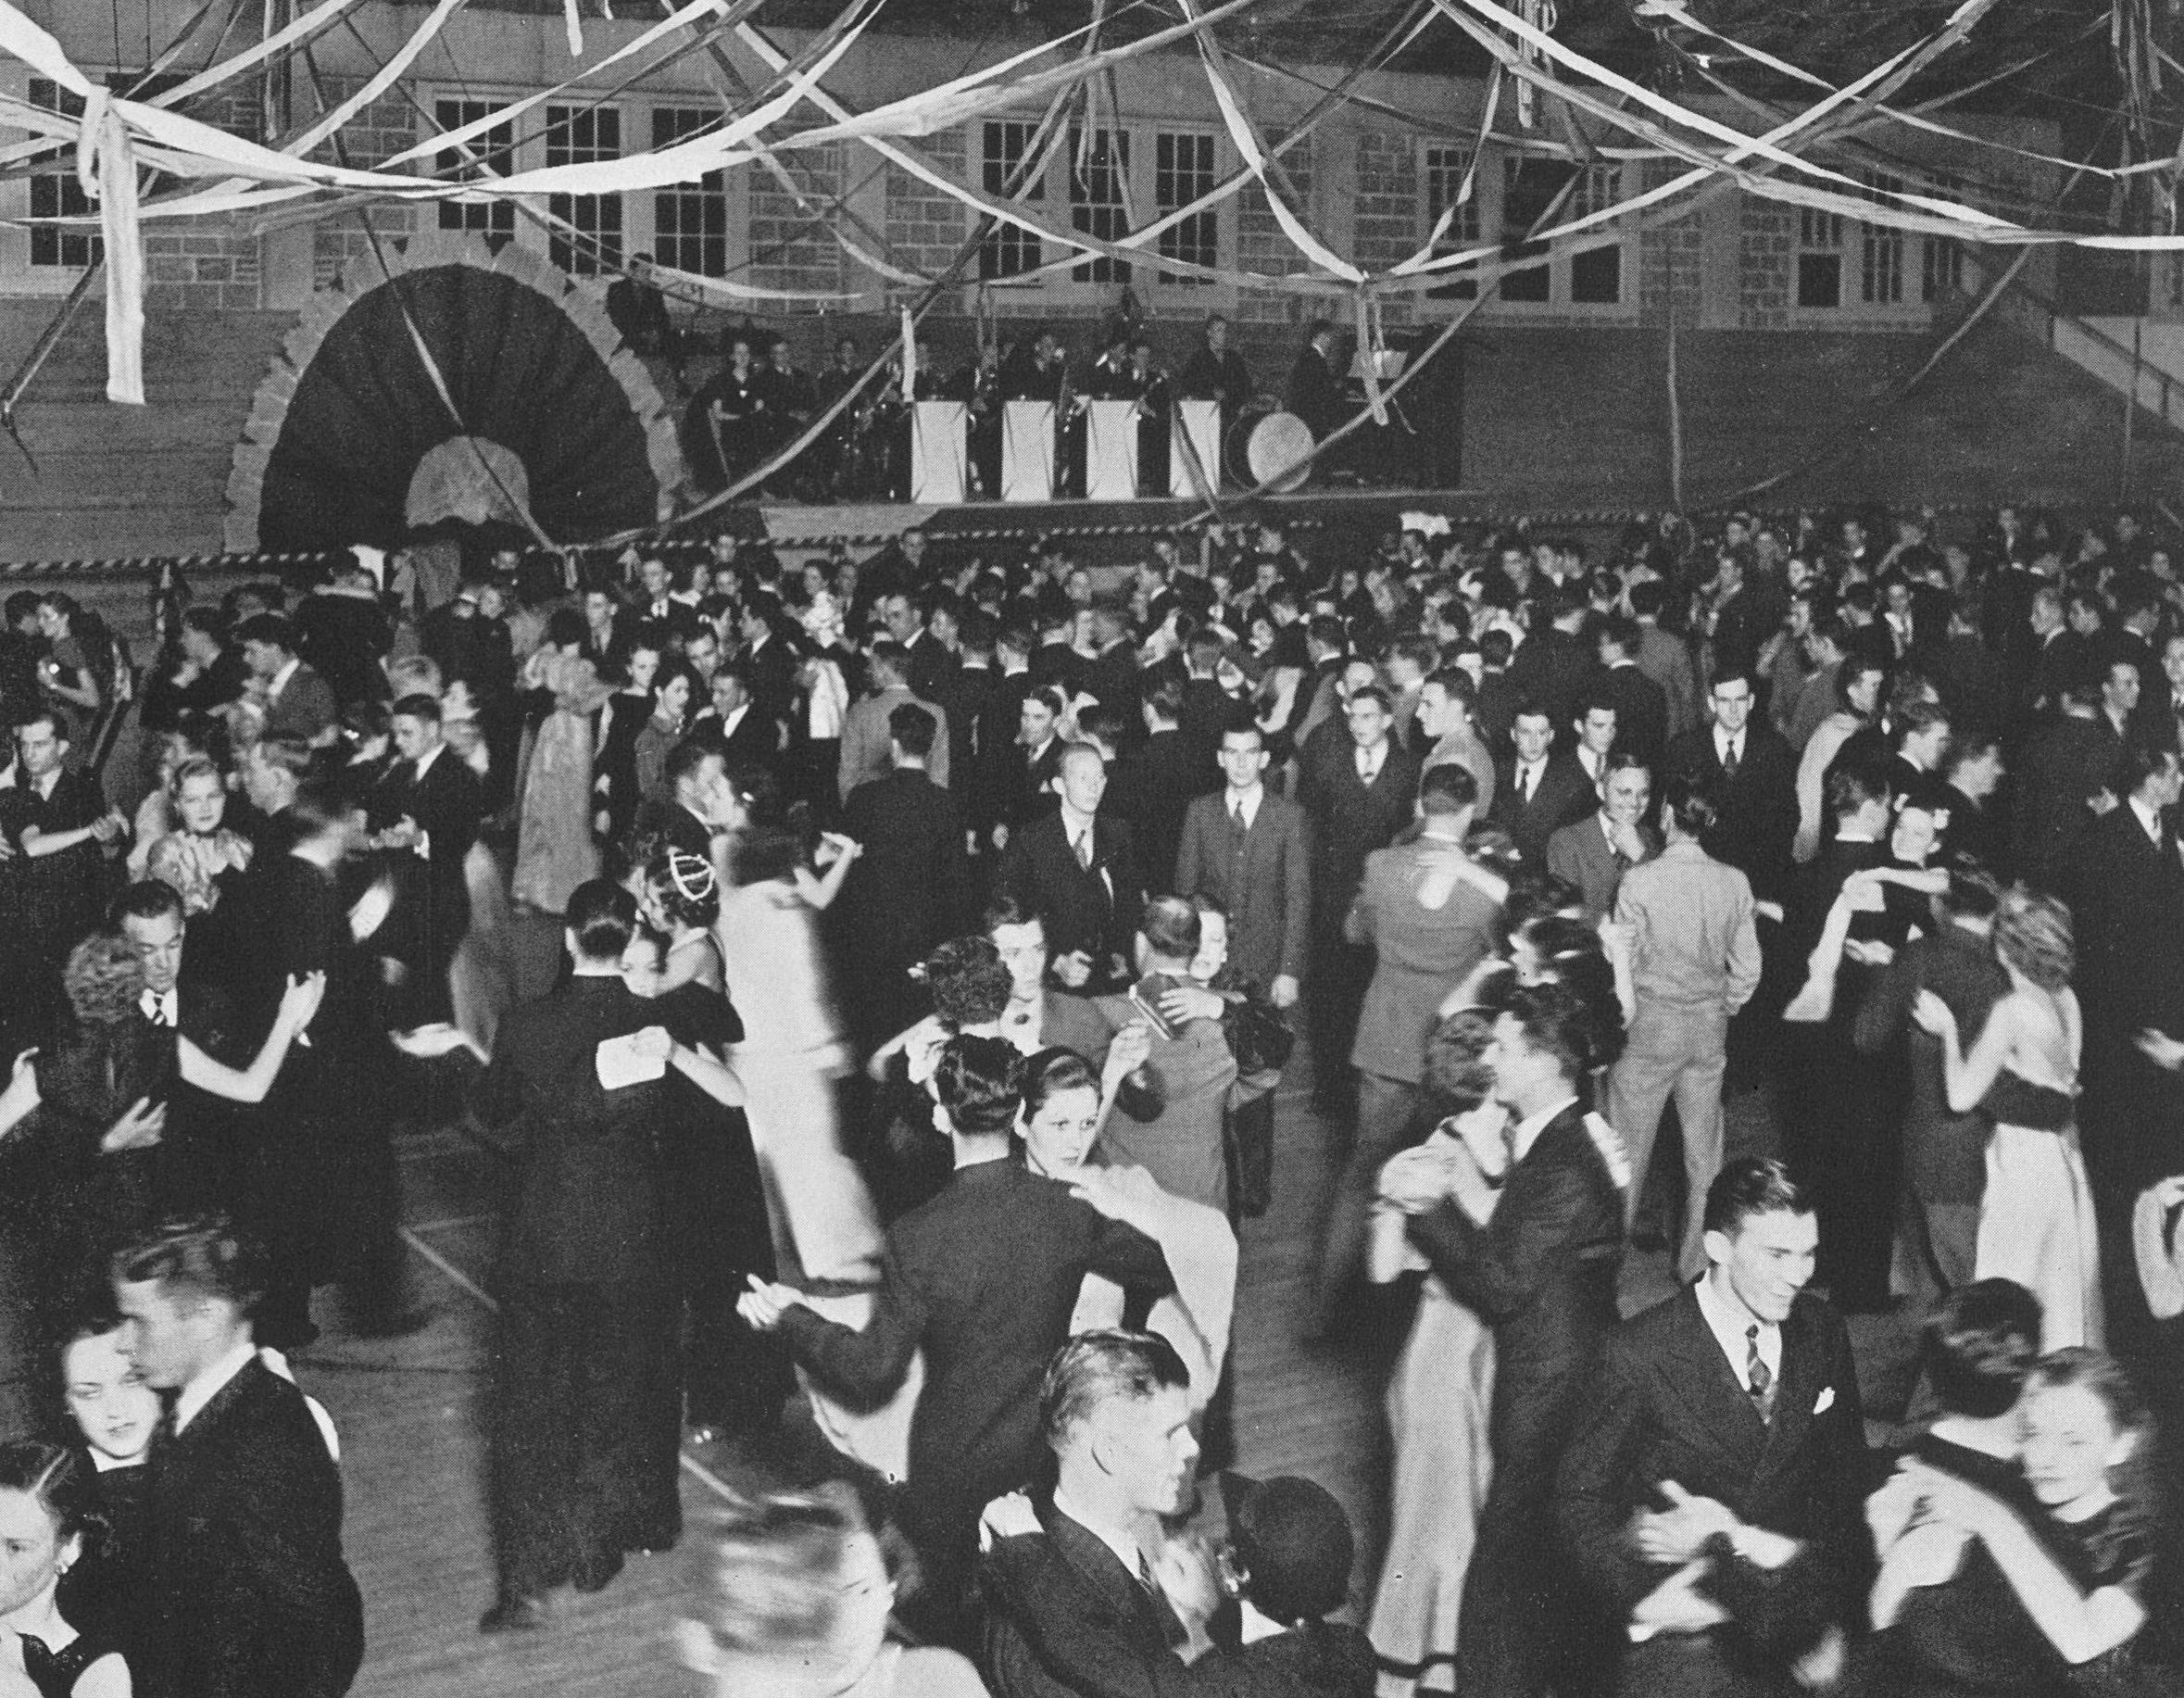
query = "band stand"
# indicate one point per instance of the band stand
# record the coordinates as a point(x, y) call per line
point(940, 452)
point(1111, 450)
point(1027, 451)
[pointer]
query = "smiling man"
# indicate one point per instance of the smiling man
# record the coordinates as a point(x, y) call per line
point(1739, 1389)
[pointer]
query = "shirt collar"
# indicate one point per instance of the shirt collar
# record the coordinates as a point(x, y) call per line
point(1075, 824)
point(1525, 1132)
point(1247, 800)
point(211, 1383)
point(280, 679)
point(2148, 818)
point(1125, 1548)
point(1731, 1324)
point(425, 762)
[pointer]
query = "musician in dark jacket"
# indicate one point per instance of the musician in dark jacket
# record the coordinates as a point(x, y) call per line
point(250, 1597)
point(1711, 1495)
point(1315, 393)
point(1542, 1274)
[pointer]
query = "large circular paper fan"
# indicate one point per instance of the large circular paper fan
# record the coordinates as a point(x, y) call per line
point(350, 440)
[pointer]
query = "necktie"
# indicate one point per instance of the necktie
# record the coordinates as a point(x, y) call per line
point(1757, 1379)
point(1368, 766)
point(1729, 759)
point(1084, 848)
point(1238, 827)
point(1531, 782)
point(156, 1009)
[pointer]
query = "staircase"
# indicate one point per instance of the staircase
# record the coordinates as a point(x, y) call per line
point(115, 482)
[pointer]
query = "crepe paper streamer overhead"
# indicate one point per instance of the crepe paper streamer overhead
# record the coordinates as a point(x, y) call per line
point(909, 356)
point(575, 26)
point(1369, 355)
point(105, 167)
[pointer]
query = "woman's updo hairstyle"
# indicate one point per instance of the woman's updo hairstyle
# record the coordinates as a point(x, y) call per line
point(969, 982)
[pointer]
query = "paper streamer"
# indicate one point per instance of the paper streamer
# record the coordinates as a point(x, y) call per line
point(106, 167)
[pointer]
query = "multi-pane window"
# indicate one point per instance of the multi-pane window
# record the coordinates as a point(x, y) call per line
point(689, 221)
point(485, 154)
point(1880, 259)
point(585, 135)
point(1008, 251)
point(1819, 258)
point(1098, 166)
point(1941, 259)
point(1596, 273)
point(57, 194)
point(1183, 172)
point(1529, 189)
point(1442, 170)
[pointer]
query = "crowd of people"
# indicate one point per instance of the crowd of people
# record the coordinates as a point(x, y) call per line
point(1696, 946)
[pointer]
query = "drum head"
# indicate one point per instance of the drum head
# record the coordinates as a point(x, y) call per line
point(1236, 444)
point(1279, 444)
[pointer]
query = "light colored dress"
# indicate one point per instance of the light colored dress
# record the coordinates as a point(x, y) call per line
point(2036, 1216)
point(1440, 1401)
point(554, 847)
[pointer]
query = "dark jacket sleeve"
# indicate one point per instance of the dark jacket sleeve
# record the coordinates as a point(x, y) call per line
point(1887, 1009)
point(1591, 1508)
point(864, 1368)
point(1126, 1256)
point(1296, 895)
point(1496, 1269)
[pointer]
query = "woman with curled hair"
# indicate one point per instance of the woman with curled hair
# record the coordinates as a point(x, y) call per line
point(793, 1597)
point(680, 900)
point(2036, 1218)
point(49, 1516)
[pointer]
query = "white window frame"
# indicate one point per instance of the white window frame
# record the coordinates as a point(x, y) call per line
point(1868, 257)
point(1605, 187)
point(478, 218)
point(17, 276)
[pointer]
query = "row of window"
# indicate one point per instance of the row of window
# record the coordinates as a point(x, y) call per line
point(1110, 187)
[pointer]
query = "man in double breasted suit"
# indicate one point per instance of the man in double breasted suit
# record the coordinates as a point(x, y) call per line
point(1078, 869)
point(1711, 1495)
point(1540, 790)
point(248, 1594)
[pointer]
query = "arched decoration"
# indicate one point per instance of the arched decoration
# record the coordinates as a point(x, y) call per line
point(348, 431)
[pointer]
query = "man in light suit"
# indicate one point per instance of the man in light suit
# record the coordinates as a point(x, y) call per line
point(1538, 792)
point(1078, 869)
point(249, 1596)
point(1711, 1495)
point(864, 729)
point(1429, 919)
point(1594, 853)
point(1246, 849)
point(1695, 961)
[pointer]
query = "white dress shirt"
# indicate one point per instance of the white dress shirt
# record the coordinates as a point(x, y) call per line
point(1245, 802)
point(1525, 1132)
point(1731, 1324)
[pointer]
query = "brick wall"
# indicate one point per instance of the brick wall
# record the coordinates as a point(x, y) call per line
point(1767, 258)
point(1388, 218)
point(787, 250)
point(377, 133)
point(205, 264)
point(925, 226)
point(1669, 262)
point(1261, 246)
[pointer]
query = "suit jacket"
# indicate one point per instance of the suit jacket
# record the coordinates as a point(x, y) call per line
point(1579, 852)
point(1541, 1273)
point(586, 1209)
point(1667, 660)
point(1565, 794)
point(910, 887)
point(1420, 954)
point(446, 803)
point(1641, 711)
point(1350, 819)
point(1756, 824)
point(305, 709)
point(2065, 762)
point(1094, 909)
point(983, 1277)
point(755, 741)
point(249, 1597)
point(1667, 1406)
point(1152, 786)
point(2129, 903)
point(1552, 670)
point(932, 662)
point(1265, 883)
point(865, 738)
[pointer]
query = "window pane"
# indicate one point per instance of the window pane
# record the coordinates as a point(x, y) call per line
point(1444, 170)
point(1097, 164)
point(690, 220)
point(57, 194)
point(496, 220)
point(1880, 258)
point(1528, 188)
point(1819, 280)
point(1596, 276)
point(1183, 170)
point(1008, 251)
point(584, 137)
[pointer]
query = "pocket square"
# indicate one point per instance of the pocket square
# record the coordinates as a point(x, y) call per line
point(1826, 1401)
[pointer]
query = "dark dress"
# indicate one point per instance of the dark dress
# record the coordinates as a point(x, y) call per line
point(102, 1596)
point(55, 1673)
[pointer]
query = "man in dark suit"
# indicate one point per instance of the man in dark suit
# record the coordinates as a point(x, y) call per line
point(1593, 853)
point(1357, 791)
point(1019, 786)
point(661, 621)
point(1540, 791)
point(2069, 761)
point(249, 1595)
point(1247, 848)
point(1078, 869)
point(299, 704)
point(1155, 783)
point(426, 815)
point(1555, 666)
point(2127, 902)
point(1542, 1274)
point(587, 1425)
point(984, 1278)
point(909, 887)
point(733, 725)
point(1640, 704)
point(1753, 779)
point(1711, 1494)
point(696, 810)
point(1314, 394)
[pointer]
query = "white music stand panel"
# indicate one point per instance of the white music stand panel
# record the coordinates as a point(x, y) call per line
point(1198, 429)
point(1027, 451)
point(1111, 451)
point(940, 450)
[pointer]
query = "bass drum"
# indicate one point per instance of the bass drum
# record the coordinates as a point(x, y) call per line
point(1236, 442)
point(1279, 452)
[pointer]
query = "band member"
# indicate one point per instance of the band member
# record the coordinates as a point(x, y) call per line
point(721, 430)
point(790, 398)
point(1217, 372)
point(1109, 378)
point(1152, 389)
point(1315, 393)
point(1039, 371)
point(638, 309)
point(985, 422)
